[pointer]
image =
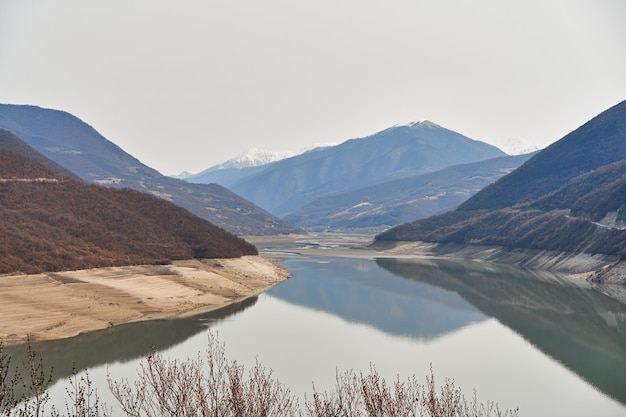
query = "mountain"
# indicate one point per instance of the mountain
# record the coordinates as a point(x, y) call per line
point(287, 185)
point(10, 142)
point(570, 197)
point(399, 201)
point(224, 176)
point(599, 142)
point(50, 221)
point(70, 142)
point(236, 168)
point(251, 158)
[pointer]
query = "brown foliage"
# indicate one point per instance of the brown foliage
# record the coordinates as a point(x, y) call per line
point(555, 230)
point(65, 224)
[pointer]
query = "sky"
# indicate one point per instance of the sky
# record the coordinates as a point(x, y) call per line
point(188, 84)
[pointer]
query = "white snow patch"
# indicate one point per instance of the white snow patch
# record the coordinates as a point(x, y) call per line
point(350, 209)
point(251, 158)
point(434, 197)
point(111, 180)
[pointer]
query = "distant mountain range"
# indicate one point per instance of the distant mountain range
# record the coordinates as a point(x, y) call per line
point(569, 197)
point(78, 147)
point(285, 186)
point(391, 203)
point(51, 221)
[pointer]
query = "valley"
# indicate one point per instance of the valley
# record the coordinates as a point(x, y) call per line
point(312, 209)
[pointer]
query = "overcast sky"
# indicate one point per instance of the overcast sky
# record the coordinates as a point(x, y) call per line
point(183, 85)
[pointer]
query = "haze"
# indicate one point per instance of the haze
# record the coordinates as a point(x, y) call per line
point(186, 85)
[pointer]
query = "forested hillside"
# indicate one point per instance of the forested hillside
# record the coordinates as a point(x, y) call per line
point(50, 222)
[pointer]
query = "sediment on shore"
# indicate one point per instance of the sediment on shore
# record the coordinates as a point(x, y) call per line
point(598, 268)
point(63, 304)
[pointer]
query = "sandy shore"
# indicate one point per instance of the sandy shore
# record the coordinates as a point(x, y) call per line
point(64, 304)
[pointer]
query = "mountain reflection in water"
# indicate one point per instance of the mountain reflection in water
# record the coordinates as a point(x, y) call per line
point(571, 321)
point(359, 291)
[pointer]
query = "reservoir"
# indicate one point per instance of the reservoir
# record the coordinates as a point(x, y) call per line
point(537, 341)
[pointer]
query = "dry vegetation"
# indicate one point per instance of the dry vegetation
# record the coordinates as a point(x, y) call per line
point(555, 230)
point(51, 222)
point(213, 386)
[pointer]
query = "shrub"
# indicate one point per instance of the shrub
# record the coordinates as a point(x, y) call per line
point(215, 386)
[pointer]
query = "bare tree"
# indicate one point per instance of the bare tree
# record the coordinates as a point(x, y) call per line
point(167, 387)
point(82, 399)
point(214, 386)
point(34, 384)
point(369, 395)
point(7, 383)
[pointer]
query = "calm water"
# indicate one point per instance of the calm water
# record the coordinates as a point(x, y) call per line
point(533, 341)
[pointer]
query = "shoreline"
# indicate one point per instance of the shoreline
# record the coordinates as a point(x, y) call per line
point(607, 273)
point(59, 305)
point(598, 268)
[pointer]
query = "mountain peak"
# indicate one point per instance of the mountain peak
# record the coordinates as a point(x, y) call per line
point(251, 158)
point(424, 123)
point(418, 124)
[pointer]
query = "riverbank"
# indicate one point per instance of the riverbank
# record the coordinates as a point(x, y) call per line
point(63, 304)
point(608, 271)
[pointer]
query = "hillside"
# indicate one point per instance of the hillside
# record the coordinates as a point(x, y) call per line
point(224, 176)
point(599, 142)
point(570, 197)
point(401, 151)
point(10, 142)
point(399, 201)
point(53, 222)
point(73, 144)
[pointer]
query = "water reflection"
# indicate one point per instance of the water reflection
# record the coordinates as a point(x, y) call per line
point(121, 343)
point(572, 322)
point(358, 291)
point(429, 304)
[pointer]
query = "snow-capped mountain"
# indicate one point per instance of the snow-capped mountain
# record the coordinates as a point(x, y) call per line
point(251, 158)
point(244, 164)
point(285, 186)
point(248, 163)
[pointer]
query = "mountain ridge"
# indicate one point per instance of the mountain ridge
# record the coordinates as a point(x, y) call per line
point(396, 152)
point(77, 146)
point(398, 201)
point(568, 158)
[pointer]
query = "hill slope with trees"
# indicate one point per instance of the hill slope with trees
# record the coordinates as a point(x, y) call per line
point(570, 197)
point(51, 222)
